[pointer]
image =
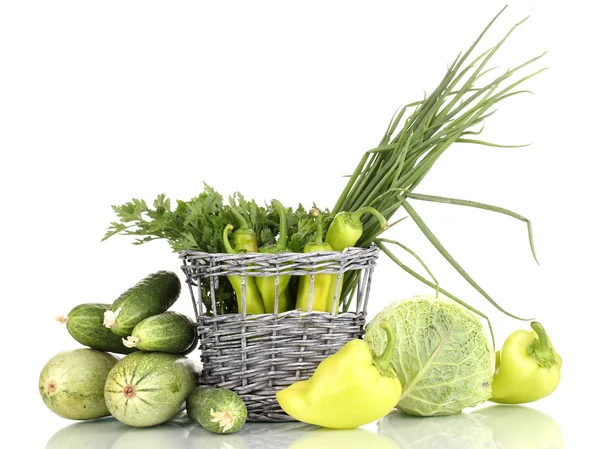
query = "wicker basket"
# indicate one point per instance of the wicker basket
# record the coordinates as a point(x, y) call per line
point(257, 355)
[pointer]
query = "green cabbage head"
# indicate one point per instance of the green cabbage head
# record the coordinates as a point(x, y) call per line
point(443, 356)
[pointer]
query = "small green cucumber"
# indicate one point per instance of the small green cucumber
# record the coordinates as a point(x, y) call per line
point(218, 410)
point(72, 383)
point(148, 388)
point(169, 332)
point(85, 324)
point(152, 295)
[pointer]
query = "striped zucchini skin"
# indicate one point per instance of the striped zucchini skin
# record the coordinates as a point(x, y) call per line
point(169, 332)
point(152, 295)
point(86, 325)
point(148, 388)
point(72, 383)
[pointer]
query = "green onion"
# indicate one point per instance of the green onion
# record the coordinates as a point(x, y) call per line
point(455, 111)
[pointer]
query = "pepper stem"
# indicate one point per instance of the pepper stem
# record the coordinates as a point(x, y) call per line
point(319, 234)
point(282, 242)
point(357, 215)
point(242, 222)
point(540, 350)
point(226, 243)
point(383, 361)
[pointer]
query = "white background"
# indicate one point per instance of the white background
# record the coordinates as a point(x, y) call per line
point(101, 102)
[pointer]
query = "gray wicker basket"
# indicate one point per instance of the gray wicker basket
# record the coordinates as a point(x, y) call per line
point(257, 355)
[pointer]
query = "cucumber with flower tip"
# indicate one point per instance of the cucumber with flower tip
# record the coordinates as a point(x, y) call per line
point(152, 295)
point(218, 410)
point(85, 324)
point(169, 332)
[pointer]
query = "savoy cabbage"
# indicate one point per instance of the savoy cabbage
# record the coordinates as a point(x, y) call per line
point(443, 357)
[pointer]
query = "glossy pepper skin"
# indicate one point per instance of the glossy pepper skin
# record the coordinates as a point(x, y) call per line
point(254, 303)
point(322, 282)
point(348, 388)
point(266, 284)
point(344, 232)
point(527, 367)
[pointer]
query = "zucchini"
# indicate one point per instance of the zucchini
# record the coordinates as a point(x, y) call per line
point(218, 410)
point(148, 388)
point(85, 324)
point(72, 383)
point(152, 295)
point(169, 332)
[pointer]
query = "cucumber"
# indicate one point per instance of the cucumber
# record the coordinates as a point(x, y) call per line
point(148, 388)
point(218, 410)
point(72, 383)
point(152, 295)
point(169, 332)
point(85, 324)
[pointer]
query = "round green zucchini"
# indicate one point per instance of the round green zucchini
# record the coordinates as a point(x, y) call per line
point(85, 324)
point(148, 388)
point(218, 410)
point(152, 295)
point(169, 332)
point(72, 383)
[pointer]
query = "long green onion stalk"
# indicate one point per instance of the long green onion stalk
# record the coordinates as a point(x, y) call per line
point(454, 112)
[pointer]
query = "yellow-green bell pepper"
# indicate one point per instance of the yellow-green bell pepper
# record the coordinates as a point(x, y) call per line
point(348, 388)
point(527, 367)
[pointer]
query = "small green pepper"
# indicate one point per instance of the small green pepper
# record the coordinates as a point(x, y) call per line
point(266, 284)
point(344, 232)
point(527, 367)
point(254, 303)
point(322, 282)
point(347, 227)
point(244, 238)
point(348, 389)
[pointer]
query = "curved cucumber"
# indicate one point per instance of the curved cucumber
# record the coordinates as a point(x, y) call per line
point(72, 383)
point(85, 324)
point(169, 332)
point(218, 410)
point(148, 388)
point(152, 295)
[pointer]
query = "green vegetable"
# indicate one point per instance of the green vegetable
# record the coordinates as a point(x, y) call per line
point(152, 295)
point(169, 332)
point(527, 367)
point(344, 232)
point(444, 359)
point(322, 282)
point(254, 302)
point(348, 389)
point(418, 135)
point(72, 383)
point(266, 284)
point(85, 324)
point(148, 388)
point(347, 227)
point(218, 410)
point(96, 434)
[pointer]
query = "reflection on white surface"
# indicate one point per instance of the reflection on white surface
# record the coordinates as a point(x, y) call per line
point(520, 427)
point(462, 431)
point(96, 434)
point(498, 426)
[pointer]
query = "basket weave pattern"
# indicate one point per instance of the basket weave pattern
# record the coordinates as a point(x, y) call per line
point(258, 355)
